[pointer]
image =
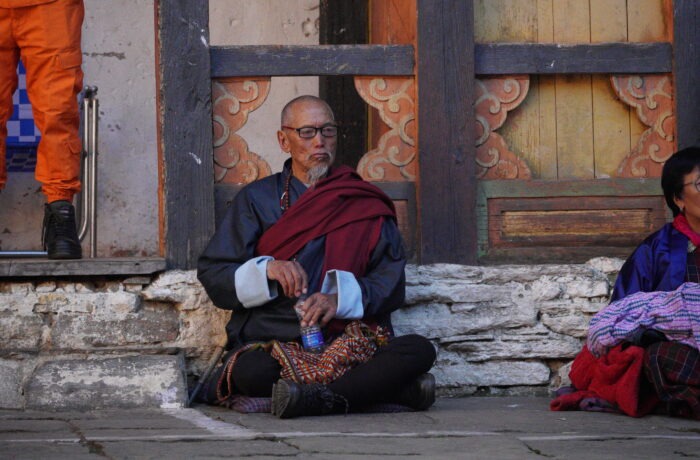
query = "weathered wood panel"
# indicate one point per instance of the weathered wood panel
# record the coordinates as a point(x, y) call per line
point(280, 60)
point(566, 220)
point(447, 152)
point(582, 221)
point(187, 174)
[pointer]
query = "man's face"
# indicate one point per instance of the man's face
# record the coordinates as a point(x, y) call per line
point(311, 154)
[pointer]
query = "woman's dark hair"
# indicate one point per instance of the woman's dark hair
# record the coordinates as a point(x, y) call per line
point(681, 163)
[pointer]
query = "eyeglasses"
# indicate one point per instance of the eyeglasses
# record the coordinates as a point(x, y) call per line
point(309, 132)
point(696, 183)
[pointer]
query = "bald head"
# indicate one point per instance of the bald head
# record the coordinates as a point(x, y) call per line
point(298, 102)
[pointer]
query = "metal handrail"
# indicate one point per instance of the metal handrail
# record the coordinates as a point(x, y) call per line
point(86, 208)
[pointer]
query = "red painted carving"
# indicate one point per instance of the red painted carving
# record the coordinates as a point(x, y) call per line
point(495, 97)
point(652, 97)
point(394, 158)
point(233, 99)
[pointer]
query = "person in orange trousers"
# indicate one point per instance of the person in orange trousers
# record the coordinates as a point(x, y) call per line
point(45, 34)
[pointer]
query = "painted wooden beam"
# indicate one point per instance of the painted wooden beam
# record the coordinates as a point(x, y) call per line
point(606, 58)
point(288, 60)
point(447, 183)
point(686, 38)
point(185, 130)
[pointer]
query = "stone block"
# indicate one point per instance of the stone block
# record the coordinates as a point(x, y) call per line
point(46, 286)
point(573, 325)
point(150, 381)
point(179, 287)
point(145, 327)
point(438, 320)
point(10, 385)
point(20, 304)
point(20, 332)
point(454, 370)
point(519, 346)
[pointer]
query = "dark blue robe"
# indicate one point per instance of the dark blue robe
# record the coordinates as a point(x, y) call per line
point(658, 264)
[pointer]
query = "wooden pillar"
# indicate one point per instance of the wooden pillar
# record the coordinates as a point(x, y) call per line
point(686, 58)
point(446, 139)
point(186, 179)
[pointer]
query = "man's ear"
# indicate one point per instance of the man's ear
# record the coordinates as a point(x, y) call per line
point(283, 141)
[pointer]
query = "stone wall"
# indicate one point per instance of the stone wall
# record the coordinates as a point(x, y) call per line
point(135, 342)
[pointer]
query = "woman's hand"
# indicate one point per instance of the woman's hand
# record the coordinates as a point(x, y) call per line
point(290, 275)
point(319, 309)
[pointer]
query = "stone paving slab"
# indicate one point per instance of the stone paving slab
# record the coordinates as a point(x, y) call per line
point(488, 428)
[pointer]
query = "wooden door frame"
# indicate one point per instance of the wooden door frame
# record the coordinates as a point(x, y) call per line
point(446, 188)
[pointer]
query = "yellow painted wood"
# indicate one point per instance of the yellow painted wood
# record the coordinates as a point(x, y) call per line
point(611, 117)
point(574, 108)
point(649, 21)
point(505, 21)
point(546, 149)
point(571, 20)
point(608, 21)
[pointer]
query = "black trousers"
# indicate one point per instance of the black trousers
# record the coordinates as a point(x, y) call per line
point(380, 379)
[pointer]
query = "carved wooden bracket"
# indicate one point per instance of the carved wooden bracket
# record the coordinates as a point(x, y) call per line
point(233, 99)
point(394, 158)
point(652, 97)
point(495, 97)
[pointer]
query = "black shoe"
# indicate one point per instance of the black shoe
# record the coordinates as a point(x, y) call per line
point(290, 400)
point(419, 394)
point(60, 236)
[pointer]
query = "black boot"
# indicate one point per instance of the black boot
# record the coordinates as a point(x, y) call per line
point(291, 399)
point(419, 394)
point(59, 235)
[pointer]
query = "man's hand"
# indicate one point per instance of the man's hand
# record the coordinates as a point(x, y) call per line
point(290, 275)
point(319, 308)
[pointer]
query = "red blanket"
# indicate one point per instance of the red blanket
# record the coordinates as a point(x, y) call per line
point(616, 377)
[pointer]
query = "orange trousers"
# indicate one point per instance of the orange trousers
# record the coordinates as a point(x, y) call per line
point(46, 37)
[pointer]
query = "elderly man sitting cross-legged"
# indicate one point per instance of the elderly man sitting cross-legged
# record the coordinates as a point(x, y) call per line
point(318, 231)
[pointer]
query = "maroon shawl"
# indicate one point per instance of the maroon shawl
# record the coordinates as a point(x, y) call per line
point(345, 208)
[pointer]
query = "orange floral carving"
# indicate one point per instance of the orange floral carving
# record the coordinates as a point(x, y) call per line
point(233, 99)
point(495, 97)
point(652, 97)
point(394, 158)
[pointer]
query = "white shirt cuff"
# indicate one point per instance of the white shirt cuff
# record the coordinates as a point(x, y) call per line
point(252, 286)
point(349, 293)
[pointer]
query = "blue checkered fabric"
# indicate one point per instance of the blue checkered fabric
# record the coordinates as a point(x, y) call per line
point(22, 134)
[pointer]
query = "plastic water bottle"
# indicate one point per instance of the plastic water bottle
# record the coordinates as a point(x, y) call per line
point(311, 336)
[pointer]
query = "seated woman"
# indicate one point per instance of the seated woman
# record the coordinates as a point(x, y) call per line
point(642, 350)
